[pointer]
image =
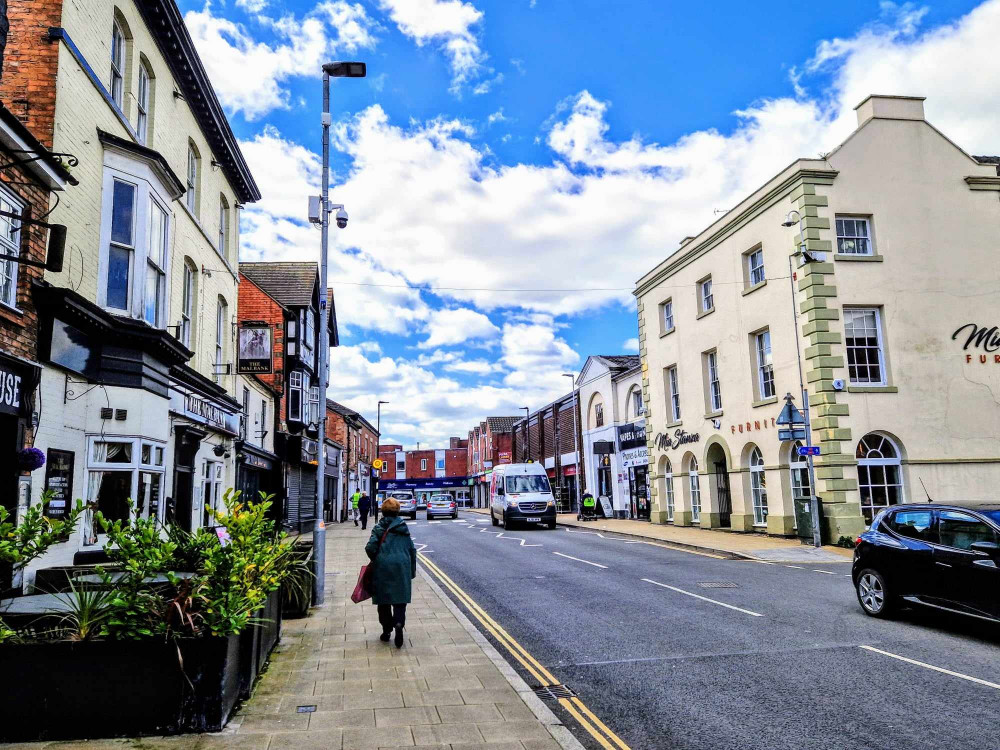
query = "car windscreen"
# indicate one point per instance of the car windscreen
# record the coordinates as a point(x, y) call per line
point(527, 483)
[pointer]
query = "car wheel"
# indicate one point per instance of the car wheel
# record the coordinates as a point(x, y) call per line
point(873, 594)
point(551, 525)
point(494, 519)
point(413, 516)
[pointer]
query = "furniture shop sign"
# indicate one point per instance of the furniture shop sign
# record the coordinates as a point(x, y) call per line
point(665, 441)
point(254, 350)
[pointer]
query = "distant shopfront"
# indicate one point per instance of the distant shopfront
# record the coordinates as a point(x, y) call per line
point(633, 455)
point(457, 487)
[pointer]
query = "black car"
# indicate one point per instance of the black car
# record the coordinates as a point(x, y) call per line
point(936, 555)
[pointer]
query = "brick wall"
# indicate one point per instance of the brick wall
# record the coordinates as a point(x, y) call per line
point(454, 462)
point(413, 459)
point(28, 85)
point(254, 304)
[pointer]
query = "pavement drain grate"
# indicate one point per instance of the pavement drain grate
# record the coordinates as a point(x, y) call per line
point(553, 692)
point(305, 709)
point(718, 585)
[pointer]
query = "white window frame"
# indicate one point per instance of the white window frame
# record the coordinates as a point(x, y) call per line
point(758, 487)
point(221, 323)
point(855, 313)
point(10, 243)
point(148, 192)
point(308, 351)
point(142, 104)
point(299, 385)
point(637, 405)
point(673, 394)
point(765, 364)
point(667, 315)
point(223, 227)
point(187, 304)
point(245, 414)
point(313, 405)
point(705, 296)
point(439, 464)
point(694, 484)
point(159, 270)
point(211, 492)
point(668, 488)
point(136, 466)
point(848, 242)
point(714, 385)
point(755, 271)
point(599, 414)
point(423, 464)
point(118, 42)
point(872, 443)
point(193, 164)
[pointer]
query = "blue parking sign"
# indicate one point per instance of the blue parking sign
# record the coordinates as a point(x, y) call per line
point(808, 450)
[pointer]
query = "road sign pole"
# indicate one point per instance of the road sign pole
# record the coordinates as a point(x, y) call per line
point(813, 497)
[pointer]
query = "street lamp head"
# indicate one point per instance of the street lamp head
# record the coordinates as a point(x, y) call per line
point(791, 222)
point(346, 69)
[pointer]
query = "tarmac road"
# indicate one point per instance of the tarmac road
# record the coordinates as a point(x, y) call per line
point(674, 649)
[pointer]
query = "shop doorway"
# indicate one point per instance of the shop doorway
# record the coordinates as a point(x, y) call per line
point(639, 492)
point(722, 498)
point(11, 441)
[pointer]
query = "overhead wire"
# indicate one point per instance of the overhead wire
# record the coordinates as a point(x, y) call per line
point(559, 290)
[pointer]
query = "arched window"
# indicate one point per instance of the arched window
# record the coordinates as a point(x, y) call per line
point(143, 99)
point(221, 330)
point(880, 478)
point(595, 415)
point(224, 227)
point(668, 488)
point(635, 407)
point(758, 487)
point(118, 41)
point(187, 303)
point(695, 485)
point(193, 172)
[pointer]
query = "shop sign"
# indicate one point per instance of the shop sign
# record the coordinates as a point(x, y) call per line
point(756, 425)
point(59, 481)
point(603, 447)
point(664, 441)
point(504, 457)
point(632, 435)
point(203, 411)
point(635, 457)
point(257, 462)
point(17, 381)
point(254, 350)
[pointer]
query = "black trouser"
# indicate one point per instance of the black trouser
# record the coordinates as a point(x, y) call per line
point(364, 520)
point(390, 615)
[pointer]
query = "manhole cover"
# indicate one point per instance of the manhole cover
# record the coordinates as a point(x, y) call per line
point(553, 692)
point(718, 585)
point(305, 709)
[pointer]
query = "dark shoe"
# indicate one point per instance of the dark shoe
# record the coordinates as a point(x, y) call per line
point(385, 636)
point(399, 637)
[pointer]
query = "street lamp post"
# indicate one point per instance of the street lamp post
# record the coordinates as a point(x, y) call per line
point(336, 70)
point(378, 443)
point(813, 497)
point(576, 447)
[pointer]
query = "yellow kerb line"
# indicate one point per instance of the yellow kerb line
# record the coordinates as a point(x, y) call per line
point(508, 642)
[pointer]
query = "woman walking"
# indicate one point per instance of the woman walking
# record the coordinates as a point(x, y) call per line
point(394, 559)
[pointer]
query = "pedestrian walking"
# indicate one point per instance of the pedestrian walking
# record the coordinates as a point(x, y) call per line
point(364, 505)
point(394, 559)
point(355, 499)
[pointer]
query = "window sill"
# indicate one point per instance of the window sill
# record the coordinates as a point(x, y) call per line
point(664, 334)
point(764, 402)
point(714, 414)
point(10, 310)
point(754, 288)
point(703, 313)
point(872, 389)
point(858, 258)
point(678, 423)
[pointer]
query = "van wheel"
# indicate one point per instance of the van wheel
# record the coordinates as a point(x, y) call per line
point(494, 519)
point(551, 525)
point(507, 523)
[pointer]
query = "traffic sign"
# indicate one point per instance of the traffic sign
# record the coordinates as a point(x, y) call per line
point(808, 450)
point(797, 434)
point(790, 415)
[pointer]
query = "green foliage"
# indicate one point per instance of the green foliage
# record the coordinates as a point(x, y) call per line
point(87, 611)
point(297, 584)
point(6, 634)
point(21, 543)
point(846, 541)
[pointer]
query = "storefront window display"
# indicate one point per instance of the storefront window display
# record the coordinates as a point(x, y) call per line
point(120, 469)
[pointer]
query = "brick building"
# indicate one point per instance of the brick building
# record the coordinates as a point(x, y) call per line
point(489, 444)
point(282, 301)
point(349, 428)
point(546, 437)
point(427, 471)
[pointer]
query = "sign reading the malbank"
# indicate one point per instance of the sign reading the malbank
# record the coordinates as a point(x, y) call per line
point(664, 441)
point(254, 350)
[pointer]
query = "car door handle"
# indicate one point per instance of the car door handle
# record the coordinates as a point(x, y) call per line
point(943, 565)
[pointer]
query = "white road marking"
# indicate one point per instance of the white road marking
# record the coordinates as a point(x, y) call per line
point(522, 541)
point(458, 520)
point(797, 567)
point(704, 598)
point(434, 522)
point(942, 670)
point(817, 570)
point(570, 557)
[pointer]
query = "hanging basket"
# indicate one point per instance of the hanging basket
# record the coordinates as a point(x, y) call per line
point(30, 459)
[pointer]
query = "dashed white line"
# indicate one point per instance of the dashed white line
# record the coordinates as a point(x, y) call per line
point(797, 567)
point(942, 670)
point(570, 557)
point(829, 573)
point(703, 598)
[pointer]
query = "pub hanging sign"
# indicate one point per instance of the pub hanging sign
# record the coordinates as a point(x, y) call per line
point(254, 350)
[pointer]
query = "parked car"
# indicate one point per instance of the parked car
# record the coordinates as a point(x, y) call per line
point(520, 493)
point(932, 554)
point(407, 502)
point(441, 505)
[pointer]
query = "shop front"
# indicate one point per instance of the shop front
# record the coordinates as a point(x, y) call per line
point(256, 471)
point(302, 461)
point(633, 455)
point(18, 380)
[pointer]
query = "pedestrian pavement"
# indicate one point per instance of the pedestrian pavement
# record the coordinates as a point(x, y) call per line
point(748, 546)
point(333, 685)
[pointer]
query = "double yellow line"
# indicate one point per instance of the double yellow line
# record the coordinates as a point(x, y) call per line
point(597, 729)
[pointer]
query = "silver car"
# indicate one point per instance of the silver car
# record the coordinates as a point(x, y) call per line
point(407, 503)
point(441, 505)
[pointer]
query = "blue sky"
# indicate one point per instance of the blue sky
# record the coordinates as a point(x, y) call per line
point(519, 145)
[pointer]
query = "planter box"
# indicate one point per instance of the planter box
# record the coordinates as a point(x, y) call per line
point(66, 690)
point(257, 643)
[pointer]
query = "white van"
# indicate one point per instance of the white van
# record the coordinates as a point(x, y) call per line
point(520, 493)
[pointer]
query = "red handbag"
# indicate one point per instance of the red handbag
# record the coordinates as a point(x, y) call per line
point(363, 588)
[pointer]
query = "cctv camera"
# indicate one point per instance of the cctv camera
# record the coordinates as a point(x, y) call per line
point(341, 218)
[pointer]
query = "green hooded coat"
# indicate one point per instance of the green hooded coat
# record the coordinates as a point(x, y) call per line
point(395, 564)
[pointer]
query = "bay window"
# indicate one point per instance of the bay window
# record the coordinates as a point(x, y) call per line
point(154, 308)
point(300, 396)
point(119, 469)
point(308, 339)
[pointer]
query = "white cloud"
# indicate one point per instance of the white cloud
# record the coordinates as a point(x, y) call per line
point(448, 23)
point(535, 354)
point(472, 366)
point(248, 75)
point(252, 6)
point(497, 116)
point(484, 87)
point(631, 345)
point(447, 327)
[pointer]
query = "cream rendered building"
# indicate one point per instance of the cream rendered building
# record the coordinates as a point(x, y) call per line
point(896, 332)
point(140, 393)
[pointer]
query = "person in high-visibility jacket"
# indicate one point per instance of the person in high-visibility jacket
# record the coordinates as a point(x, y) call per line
point(589, 504)
point(355, 499)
